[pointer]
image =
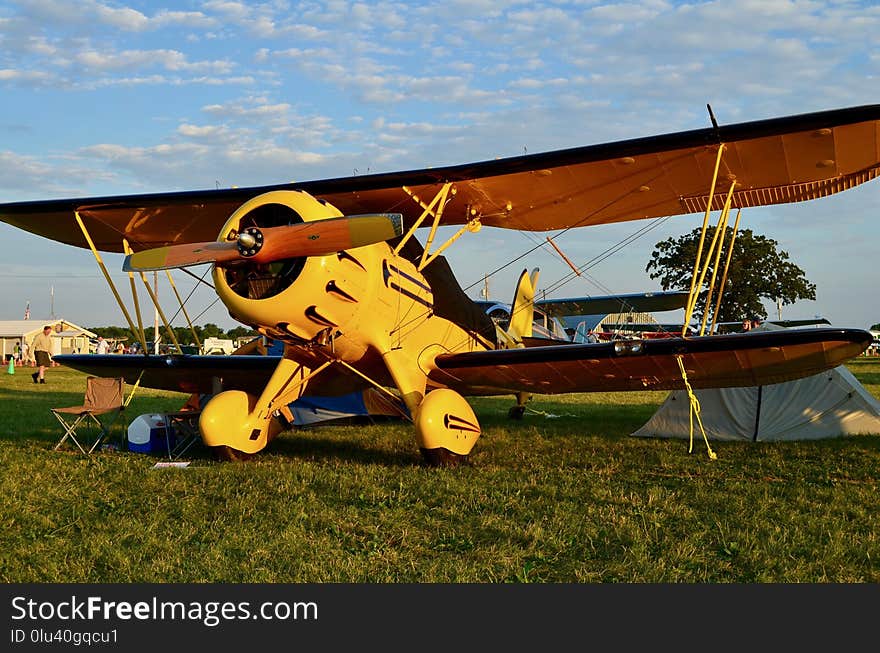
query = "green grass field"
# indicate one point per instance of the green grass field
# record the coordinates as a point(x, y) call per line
point(569, 498)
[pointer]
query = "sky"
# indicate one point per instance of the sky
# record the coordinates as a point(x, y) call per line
point(100, 98)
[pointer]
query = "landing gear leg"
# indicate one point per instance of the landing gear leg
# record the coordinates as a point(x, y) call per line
point(237, 425)
point(441, 457)
point(517, 412)
point(446, 427)
point(227, 454)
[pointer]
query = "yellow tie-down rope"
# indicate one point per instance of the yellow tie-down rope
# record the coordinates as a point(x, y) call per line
point(133, 388)
point(695, 411)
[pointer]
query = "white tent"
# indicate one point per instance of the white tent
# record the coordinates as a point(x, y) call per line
point(825, 405)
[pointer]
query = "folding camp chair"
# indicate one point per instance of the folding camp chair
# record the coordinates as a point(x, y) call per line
point(102, 405)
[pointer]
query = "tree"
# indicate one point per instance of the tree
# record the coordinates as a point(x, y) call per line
point(241, 332)
point(210, 330)
point(758, 271)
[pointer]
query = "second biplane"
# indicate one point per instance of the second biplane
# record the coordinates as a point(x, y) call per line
point(328, 268)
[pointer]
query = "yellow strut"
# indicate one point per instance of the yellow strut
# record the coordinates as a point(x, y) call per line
point(695, 295)
point(473, 226)
point(438, 213)
point(381, 388)
point(141, 336)
point(724, 276)
point(427, 209)
point(721, 230)
point(104, 270)
point(183, 308)
point(278, 390)
point(161, 312)
point(691, 300)
point(439, 201)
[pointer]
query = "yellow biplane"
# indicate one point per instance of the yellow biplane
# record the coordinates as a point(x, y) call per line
point(332, 269)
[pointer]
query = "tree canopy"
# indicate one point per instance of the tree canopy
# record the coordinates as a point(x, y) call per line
point(182, 333)
point(758, 271)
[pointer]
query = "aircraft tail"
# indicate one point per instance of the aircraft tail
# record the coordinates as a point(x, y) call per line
point(522, 310)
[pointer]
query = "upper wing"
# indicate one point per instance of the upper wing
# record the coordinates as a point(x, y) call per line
point(773, 161)
point(746, 359)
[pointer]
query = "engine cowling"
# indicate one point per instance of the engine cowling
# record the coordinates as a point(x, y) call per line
point(295, 299)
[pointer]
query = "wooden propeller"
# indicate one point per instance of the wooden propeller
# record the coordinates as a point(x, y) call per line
point(265, 245)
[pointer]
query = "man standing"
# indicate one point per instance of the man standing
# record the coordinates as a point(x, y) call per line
point(41, 346)
point(102, 346)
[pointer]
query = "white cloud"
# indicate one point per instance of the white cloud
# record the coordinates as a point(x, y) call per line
point(137, 59)
point(231, 11)
point(191, 19)
point(35, 77)
point(195, 131)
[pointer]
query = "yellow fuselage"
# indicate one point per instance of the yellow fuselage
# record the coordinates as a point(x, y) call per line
point(357, 306)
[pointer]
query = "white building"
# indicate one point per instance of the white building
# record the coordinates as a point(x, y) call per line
point(67, 337)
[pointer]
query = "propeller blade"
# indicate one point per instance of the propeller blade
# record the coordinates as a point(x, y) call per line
point(258, 245)
point(180, 256)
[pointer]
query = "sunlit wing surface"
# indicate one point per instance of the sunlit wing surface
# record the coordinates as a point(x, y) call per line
point(711, 361)
point(773, 161)
point(650, 302)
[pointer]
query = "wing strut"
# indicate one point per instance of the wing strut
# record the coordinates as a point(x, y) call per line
point(375, 384)
point(689, 310)
point(724, 276)
point(717, 241)
point(142, 338)
point(160, 311)
point(427, 209)
point(107, 277)
point(185, 314)
point(435, 209)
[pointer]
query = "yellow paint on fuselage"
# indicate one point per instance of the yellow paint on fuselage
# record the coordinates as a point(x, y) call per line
point(361, 299)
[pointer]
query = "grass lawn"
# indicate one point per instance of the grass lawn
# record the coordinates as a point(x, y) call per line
point(564, 497)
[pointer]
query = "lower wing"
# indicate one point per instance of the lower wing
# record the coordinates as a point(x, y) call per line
point(740, 359)
point(743, 359)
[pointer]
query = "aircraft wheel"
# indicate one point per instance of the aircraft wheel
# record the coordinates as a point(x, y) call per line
point(226, 453)
point(441, 457)
point(516, 412)
point(446, 428)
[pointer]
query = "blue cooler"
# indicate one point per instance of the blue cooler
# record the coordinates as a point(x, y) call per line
point(149, 434)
